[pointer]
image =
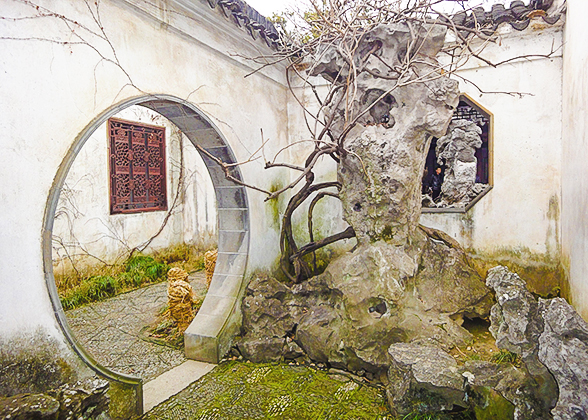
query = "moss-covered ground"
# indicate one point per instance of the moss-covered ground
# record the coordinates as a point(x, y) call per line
point(237, 390)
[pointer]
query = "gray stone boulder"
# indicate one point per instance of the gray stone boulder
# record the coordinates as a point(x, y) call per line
point(563, 349)
point(516, 324)
point(515, 321)
point(445, 282)
point(423, 378)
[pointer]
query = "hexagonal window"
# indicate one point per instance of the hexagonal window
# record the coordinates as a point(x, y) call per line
point(457, 170)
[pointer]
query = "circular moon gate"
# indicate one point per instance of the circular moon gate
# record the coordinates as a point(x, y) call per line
point(209, 336)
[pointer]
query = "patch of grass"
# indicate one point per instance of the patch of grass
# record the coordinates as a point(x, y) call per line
point(93, 284)
point(90, 289)
point(136, 272)
point(505, 356)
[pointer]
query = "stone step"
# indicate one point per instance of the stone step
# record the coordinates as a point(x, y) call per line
point(173, 381)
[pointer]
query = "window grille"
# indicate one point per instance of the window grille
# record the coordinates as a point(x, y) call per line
point(137, 167)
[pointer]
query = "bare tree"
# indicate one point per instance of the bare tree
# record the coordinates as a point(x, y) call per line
point(335, 39)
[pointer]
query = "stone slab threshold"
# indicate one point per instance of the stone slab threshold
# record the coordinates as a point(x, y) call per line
point(173, 381)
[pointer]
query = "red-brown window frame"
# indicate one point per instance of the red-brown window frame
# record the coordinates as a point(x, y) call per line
point(137, 169)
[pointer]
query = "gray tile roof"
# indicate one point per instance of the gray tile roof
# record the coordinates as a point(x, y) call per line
point(246, 16)
point(518, 15)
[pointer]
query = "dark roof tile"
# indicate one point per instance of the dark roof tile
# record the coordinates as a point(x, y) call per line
point(517, 15)
point(244, 15)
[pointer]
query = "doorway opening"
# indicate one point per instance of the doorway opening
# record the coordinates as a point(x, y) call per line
point(224, 220)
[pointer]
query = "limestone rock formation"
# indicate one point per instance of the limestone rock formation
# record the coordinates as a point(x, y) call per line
point(424, 373)
point(563, 349)
point(403, 282)
point(380, 176)
point(426, 379)
point(365, 301)
point(516, 326)
point(456, 151)
point(550, 337)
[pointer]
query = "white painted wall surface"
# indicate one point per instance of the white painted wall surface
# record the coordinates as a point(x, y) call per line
point(52, 90)
point(86, 232)
point(521, 211)
point(575, 154)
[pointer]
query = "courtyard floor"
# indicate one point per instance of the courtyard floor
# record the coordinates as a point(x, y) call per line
point(111, 331)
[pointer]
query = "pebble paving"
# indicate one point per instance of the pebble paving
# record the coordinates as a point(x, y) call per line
point(111, 330)
point(237, 390)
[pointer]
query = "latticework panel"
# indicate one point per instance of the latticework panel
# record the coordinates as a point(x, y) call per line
point(137, 167)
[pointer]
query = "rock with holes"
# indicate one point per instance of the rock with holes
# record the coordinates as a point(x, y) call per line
point(367, 300)
point(456, 151)
point(395, 118)
point(402, 282)
point(563, 349)
point(517, 324)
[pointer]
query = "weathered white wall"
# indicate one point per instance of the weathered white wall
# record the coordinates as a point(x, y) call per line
point(52, 90)
point(84, 227)
point(575, 154)
point(521, 212)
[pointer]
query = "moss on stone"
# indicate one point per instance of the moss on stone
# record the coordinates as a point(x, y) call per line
point(34, 363)
point(123, 401)
point(491, 405)
point(236, 390)
point(544, 275)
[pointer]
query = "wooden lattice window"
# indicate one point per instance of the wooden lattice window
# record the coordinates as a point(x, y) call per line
point(137, 167)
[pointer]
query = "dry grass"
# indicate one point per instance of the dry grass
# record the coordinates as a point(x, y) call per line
point(94, 283)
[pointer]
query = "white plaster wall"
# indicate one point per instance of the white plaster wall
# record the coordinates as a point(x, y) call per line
point(575, 154)
point(84, 227)
point(521, 211)
point(52, 90)
point(328, 213)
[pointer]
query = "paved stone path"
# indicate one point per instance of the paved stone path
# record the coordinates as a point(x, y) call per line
point(110, 330)
point(236, 390)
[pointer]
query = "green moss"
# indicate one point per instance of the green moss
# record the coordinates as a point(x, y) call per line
point(276, 206)
point(489, 405)
point(387, 233)
point(235, 390)
point(123, 401)
point(544, 276)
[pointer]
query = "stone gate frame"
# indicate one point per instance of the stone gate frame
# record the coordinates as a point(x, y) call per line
point(209, 336)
